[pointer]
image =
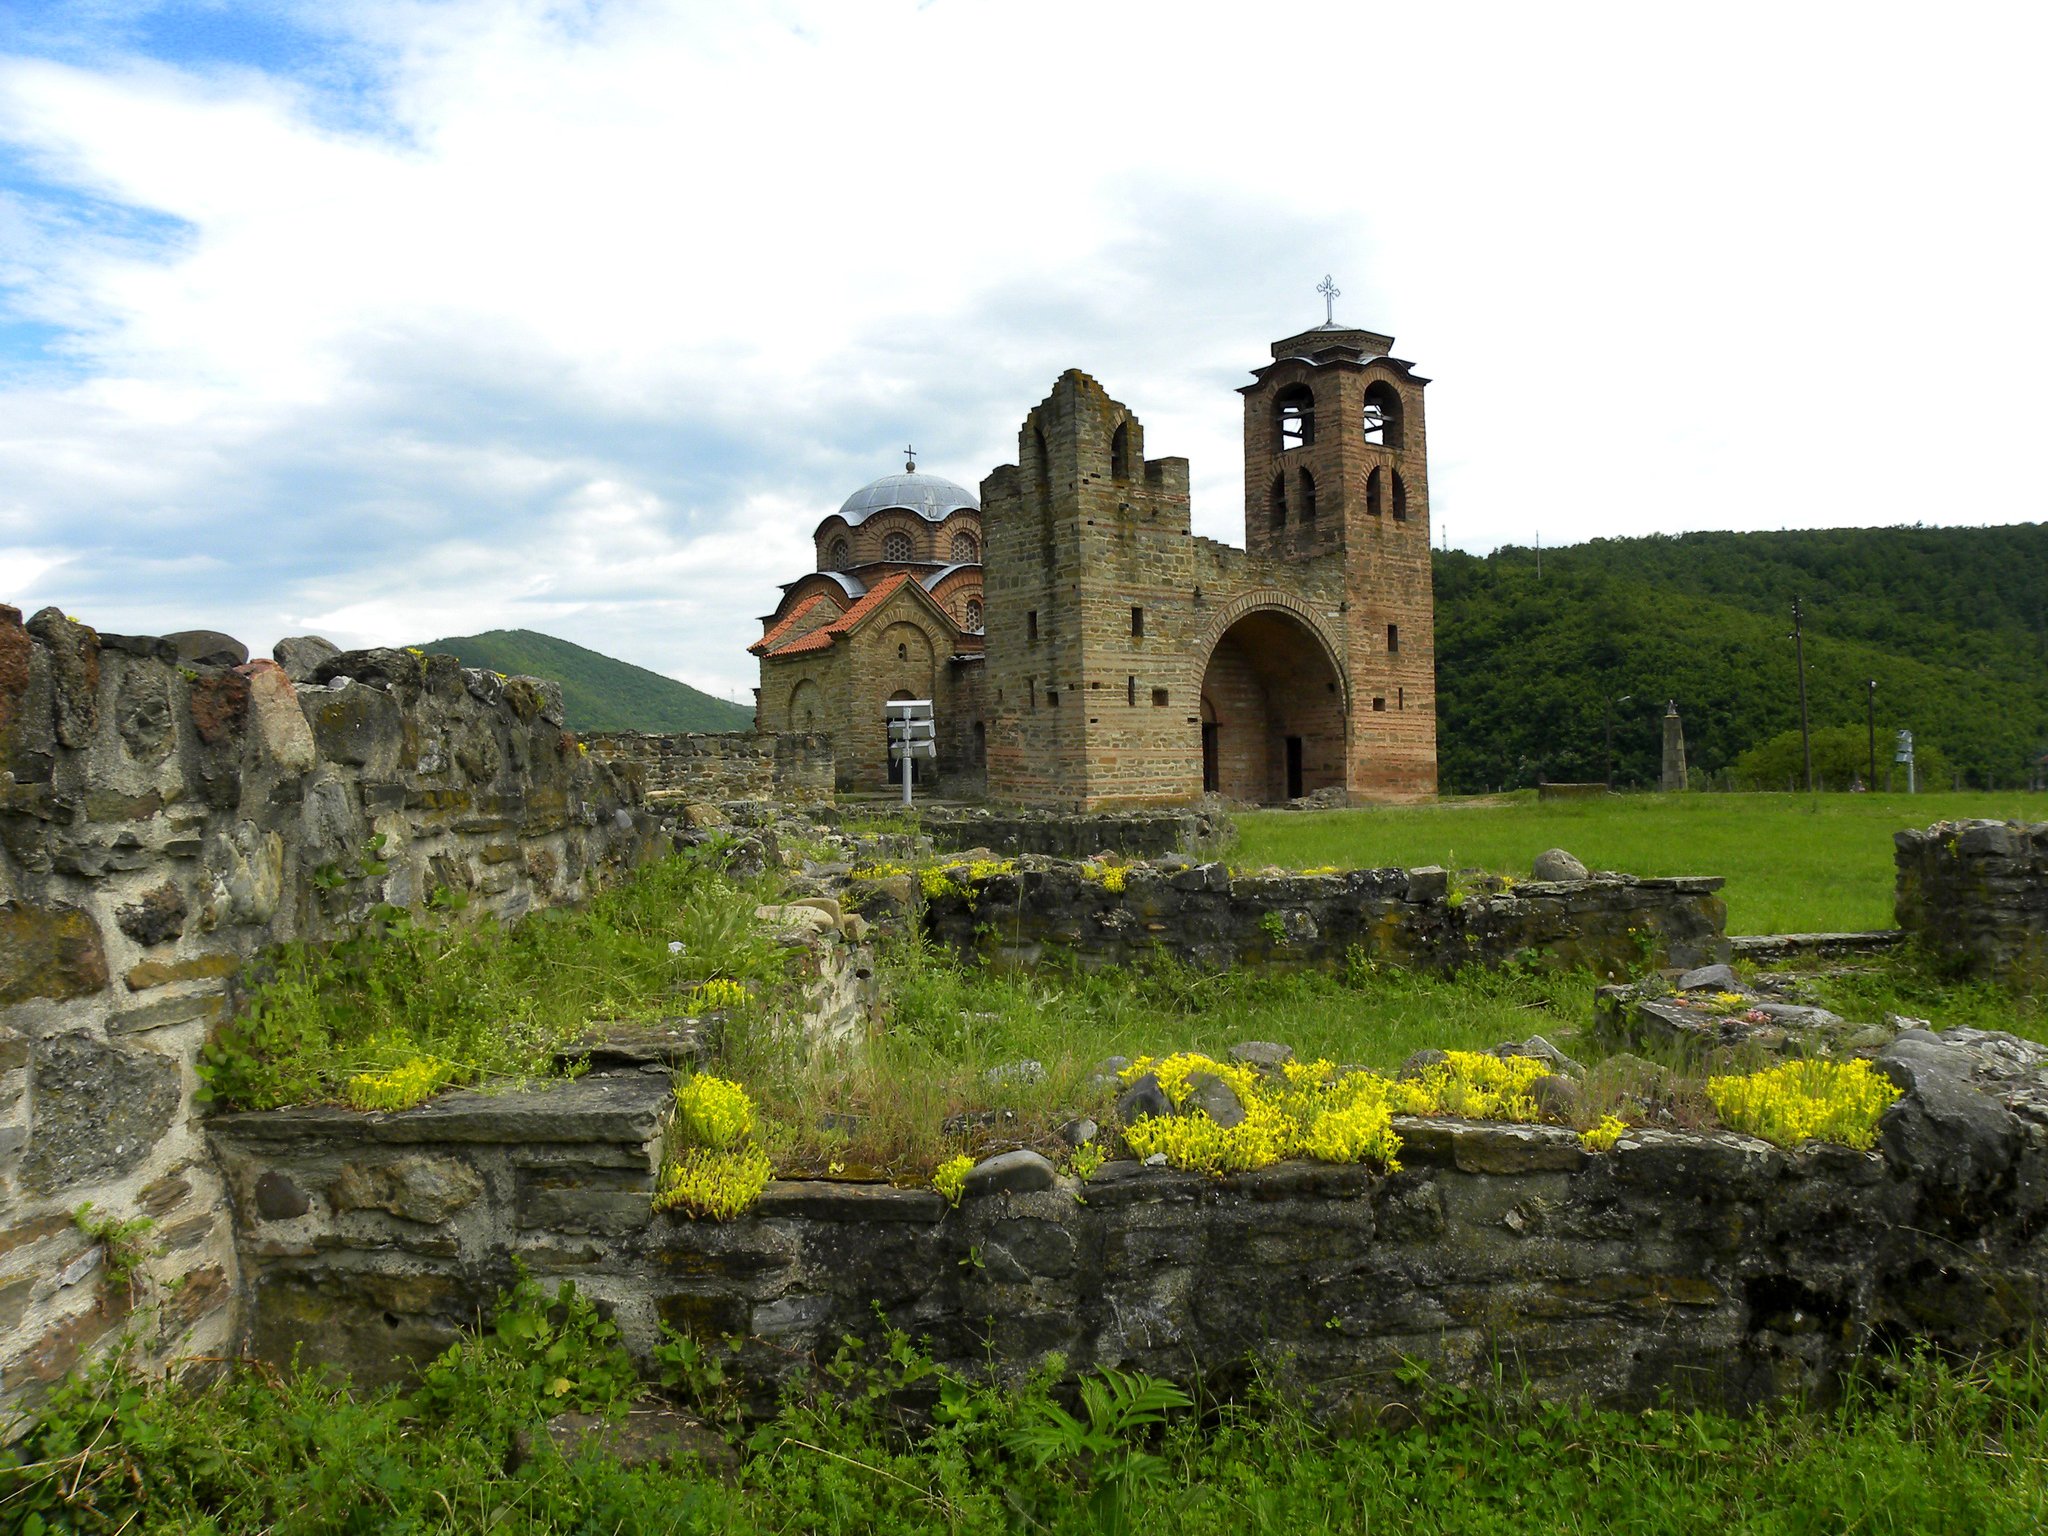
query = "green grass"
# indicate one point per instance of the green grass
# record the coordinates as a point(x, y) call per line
point(950, 1026)
point(1921, 1447)
point(492, 1003)
point(1793, 863)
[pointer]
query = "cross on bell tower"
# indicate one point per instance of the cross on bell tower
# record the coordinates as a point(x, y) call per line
point(1331, 293)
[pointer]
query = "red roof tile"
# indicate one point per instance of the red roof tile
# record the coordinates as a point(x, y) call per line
point(822, 638)
point(767, 642)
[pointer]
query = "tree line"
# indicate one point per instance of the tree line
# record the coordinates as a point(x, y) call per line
point(1539, 668)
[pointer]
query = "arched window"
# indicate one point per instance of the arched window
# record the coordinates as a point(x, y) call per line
point(1400, 496)
point(1294, 417)
point(1120, 451)
point(965, 550)
point(1376, 492)
point(974, 613)
point(1308, 497)
point(896, 546)
point(1383, 415)
point(842, 555)
point(1276, 501)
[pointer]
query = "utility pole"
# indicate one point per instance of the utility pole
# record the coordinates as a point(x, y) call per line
point(1870, 720)
point(1805, 729)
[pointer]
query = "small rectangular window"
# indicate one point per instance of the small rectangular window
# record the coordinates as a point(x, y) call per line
point(1130, 690)
point(1400, 698)
point(1393, 637)
point(1031, 625)
point(1159, 698)
point(1380, 705)
point(1138, 622)
point(1032, 684)
point(1052, 699)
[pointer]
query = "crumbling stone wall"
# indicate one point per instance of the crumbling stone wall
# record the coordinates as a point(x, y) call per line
point(1976, 892)
point(161, 821)
point(1206, 916)
point(792, 767)
point(1133, 834)
point(1715, 1265)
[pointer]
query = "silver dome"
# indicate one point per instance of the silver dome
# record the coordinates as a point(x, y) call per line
point(930, 497)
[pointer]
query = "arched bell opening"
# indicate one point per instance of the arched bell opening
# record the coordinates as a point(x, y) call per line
point(1272, 711)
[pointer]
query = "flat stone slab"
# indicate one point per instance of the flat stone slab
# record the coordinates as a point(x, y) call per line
point(819, 1200)
point(617, 1107)
point(1791, 946)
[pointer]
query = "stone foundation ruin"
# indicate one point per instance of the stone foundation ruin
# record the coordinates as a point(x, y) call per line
point(166, 814)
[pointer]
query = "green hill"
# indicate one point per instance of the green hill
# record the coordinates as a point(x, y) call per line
point(1952, 623)
point(599, 693)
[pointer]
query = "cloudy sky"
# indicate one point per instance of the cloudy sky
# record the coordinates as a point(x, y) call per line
point(389, 319)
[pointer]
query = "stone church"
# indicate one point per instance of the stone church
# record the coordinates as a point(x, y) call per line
point(1083, 649)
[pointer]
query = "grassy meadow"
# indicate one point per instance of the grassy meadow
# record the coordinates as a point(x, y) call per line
point(1794, 863)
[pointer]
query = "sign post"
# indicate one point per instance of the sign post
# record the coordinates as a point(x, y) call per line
point(1903, 753)
point(912, 733)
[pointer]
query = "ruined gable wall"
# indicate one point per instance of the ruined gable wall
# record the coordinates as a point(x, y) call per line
point(1080, 546)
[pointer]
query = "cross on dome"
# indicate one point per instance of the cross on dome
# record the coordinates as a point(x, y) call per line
point(1330, 292)
point(909, 460)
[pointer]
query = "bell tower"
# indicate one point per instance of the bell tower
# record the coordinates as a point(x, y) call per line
point(1336, 464)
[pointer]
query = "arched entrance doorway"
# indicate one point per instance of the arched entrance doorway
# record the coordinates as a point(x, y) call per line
point(1272, 711)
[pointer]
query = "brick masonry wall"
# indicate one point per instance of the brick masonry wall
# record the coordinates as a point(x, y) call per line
point(160, 823)
point(1115, 636)
point(794, 767)
point(1387, 573)
point(1205, 916)
point(1712, 1265)
point(1976, 893)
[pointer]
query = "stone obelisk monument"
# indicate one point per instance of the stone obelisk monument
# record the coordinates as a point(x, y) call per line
point(1674, 749)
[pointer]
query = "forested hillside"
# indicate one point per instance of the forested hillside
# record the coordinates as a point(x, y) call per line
point(1951, 622)
point(599, 693)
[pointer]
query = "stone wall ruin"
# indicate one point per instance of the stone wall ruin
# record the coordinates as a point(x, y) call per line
point(163, 818)
point(1714, 1265)
point(1976, 894)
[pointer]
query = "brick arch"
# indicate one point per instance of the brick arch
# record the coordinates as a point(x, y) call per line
point(1272, 597)
point(806, 705)
point(1274, 698)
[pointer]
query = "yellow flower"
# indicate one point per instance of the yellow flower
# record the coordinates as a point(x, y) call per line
point(1805, 1101)
point(399, 1088)
point(713, 1111)
point(950, 1178)
point(1602, 1137)
point(717, 1184)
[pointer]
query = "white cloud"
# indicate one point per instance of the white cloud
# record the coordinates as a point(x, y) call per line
point(579, 316)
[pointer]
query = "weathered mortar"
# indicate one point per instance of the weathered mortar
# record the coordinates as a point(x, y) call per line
point(1206, 916)
point(159, 824)
point(1716, 1265)
point(1976, 893)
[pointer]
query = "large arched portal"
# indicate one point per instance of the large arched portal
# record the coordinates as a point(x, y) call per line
point(1272, 711)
